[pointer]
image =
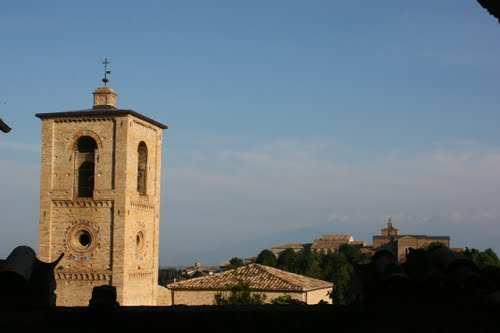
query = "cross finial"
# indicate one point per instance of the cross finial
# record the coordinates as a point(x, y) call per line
point(106, 62)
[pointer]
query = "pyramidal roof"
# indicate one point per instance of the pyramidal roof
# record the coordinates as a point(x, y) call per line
point(258, 277)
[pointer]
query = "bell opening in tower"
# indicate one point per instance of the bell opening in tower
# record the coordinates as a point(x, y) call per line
point(85, 158)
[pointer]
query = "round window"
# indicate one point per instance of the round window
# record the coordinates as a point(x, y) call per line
point(81, 240)
point(84, 238)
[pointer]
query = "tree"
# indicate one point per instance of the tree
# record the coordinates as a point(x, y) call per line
point(287, 260)
point(353, 254)
point(307, 262)
point(266, 257)
point(482, 259)
point(234, 262)
point(337, 269)
point(168, 275)
point(434, 245)
point(240, 294)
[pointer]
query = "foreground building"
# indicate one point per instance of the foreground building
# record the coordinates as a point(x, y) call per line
point(389, 236)
point(100, 201)
point(261, 279)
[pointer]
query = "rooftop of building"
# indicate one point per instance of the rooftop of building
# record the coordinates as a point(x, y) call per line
point(258, 277)
point(105, 106)
point(335, 237)
point(413, 236)
point(288, 246)
point(99, 113)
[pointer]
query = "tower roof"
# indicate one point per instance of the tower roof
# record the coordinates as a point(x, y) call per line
point(99, 113)
point(105, 98)
point(104, 106)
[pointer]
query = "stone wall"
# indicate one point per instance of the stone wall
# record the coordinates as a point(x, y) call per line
point(316, 296)
point(207, 297)
point(164, 296)
point(406, 242)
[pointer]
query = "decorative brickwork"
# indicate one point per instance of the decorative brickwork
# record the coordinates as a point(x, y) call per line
point(83, 203)
point(84, 276)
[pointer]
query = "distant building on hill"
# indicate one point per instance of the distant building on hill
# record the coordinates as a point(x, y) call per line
point(297, 247)
point(389, 236)
point(323, 244)
point(332, 242)
point(269, 281)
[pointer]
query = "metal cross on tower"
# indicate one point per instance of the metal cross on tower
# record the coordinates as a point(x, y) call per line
point(106, 62)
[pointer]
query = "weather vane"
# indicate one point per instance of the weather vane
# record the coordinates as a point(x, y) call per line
point(106, 62)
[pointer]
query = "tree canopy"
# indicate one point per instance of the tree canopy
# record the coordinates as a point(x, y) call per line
point(287, 260)
point(234, 262)
point(267, 258)
point(336, 267)
point(482, 259)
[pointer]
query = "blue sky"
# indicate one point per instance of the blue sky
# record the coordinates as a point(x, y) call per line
point(288, 119)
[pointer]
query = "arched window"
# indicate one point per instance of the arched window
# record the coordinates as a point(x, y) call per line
point(142, 168)
point(85, 161)
point(86, 144)
point(86, 179)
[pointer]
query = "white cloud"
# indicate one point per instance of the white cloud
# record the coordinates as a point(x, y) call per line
point(264, 194)
point(221, 202)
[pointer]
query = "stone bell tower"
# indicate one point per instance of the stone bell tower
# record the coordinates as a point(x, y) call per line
point(100, 200)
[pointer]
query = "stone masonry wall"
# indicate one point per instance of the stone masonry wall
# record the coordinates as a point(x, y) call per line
point(142, 218)
point(315, 296)
point(113, 217)
point(207, 297)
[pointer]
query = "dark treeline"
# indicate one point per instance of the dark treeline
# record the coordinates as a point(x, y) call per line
point(337, 267)
point(347, 268)
point(167, 275)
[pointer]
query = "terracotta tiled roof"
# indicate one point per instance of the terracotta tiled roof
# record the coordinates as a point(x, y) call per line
point(332, 241)
point(258, 277)
point(336, 237)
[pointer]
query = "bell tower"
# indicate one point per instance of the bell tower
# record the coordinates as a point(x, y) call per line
point(100, 200)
